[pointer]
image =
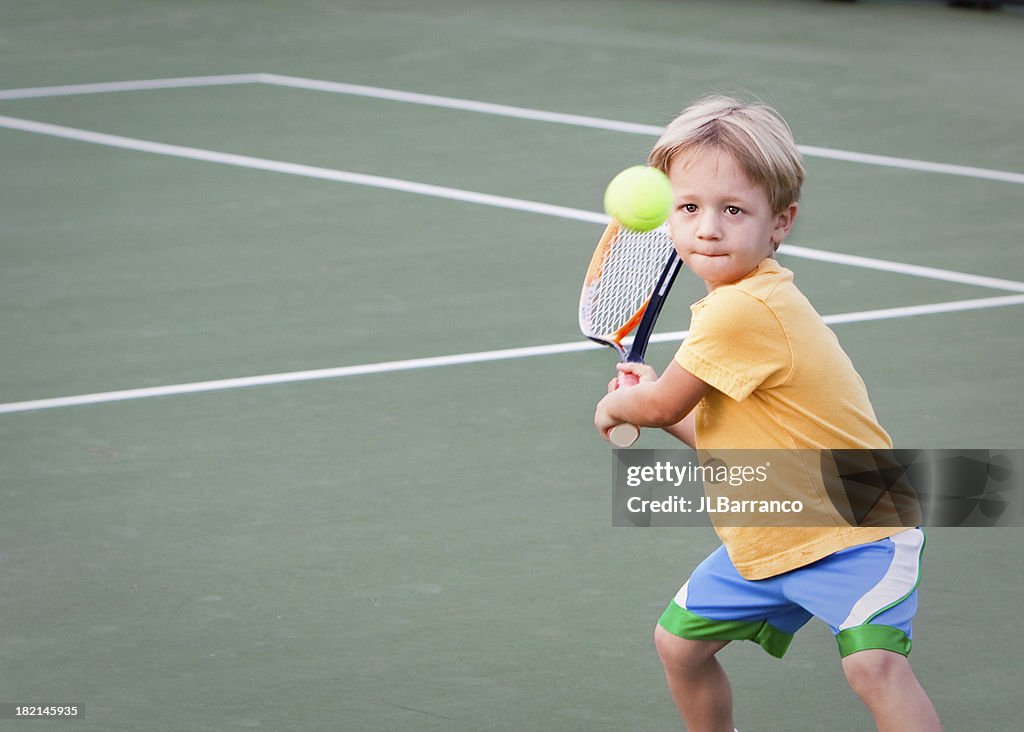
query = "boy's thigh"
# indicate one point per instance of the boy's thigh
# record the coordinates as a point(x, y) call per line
point(717, 603)
point(867, 594)
point(677, 652)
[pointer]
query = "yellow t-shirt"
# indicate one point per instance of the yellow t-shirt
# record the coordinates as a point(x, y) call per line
point(781, 381)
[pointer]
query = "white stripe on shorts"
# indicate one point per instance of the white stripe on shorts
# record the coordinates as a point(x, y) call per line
point(680, 598)
point(898, 582)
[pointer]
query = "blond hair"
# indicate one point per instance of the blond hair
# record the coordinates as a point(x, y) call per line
point(753, 133)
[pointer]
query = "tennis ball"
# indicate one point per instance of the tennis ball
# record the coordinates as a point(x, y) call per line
point(639, 198)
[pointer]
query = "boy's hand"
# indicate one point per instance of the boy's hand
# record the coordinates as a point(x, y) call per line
point(628, 374)
point(603, 421)
point(641, 371)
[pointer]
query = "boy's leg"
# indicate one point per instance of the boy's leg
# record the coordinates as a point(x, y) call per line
point(885, 683)
point(868, 596)
point(714, 607)
point(698, 683)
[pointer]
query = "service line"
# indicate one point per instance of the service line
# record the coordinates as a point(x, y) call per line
point(458, 359)
point(457, 194)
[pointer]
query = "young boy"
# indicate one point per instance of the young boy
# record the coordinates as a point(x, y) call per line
point(761, 370)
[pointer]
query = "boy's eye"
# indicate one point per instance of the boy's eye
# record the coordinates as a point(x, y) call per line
point(732, 210)
point(688, 207)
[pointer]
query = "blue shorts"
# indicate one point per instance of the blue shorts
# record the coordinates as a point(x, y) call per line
point(867, 594)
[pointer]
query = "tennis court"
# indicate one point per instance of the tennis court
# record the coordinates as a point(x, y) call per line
point(295, 418)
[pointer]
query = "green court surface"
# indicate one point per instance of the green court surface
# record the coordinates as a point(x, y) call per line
point(360, 539)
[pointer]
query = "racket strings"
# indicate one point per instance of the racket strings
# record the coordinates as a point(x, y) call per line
point(628, 273)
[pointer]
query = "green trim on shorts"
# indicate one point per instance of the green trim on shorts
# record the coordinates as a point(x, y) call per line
point(685, 624)
point(865, 637)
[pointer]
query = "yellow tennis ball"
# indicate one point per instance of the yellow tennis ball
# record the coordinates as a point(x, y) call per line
point(639, 197)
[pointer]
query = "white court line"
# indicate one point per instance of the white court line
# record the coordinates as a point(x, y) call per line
point(444, 192)
point(464, 105)
point(456, 359)
point(296, 376)
point(456, 194)
point(183, 82)
point(503, 110)
point(600, 123)
point(923, 166)
point(882, 265)
point(307, 171)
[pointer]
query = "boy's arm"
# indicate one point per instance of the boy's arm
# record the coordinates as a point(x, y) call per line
point(663, 401)
point(683, 430)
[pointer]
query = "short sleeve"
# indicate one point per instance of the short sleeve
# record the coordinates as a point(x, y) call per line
point(736, 344)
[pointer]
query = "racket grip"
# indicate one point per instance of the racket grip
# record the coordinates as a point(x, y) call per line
point(623, 435)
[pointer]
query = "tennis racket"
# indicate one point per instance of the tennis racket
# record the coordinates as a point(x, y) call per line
point(624, 289)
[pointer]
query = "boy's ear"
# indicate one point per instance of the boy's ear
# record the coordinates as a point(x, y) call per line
point(783, 223)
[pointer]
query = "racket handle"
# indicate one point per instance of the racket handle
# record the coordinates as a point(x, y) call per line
point(624, 435)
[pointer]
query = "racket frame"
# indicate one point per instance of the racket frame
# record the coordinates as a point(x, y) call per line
point(643, 321)
point(652, 310)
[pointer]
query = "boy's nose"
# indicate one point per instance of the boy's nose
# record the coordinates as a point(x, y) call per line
point(708, 227)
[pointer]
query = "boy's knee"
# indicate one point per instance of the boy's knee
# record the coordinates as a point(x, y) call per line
point(871, 671)
point(682, 653)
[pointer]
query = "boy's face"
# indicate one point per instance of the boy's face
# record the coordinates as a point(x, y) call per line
point(721, 223)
